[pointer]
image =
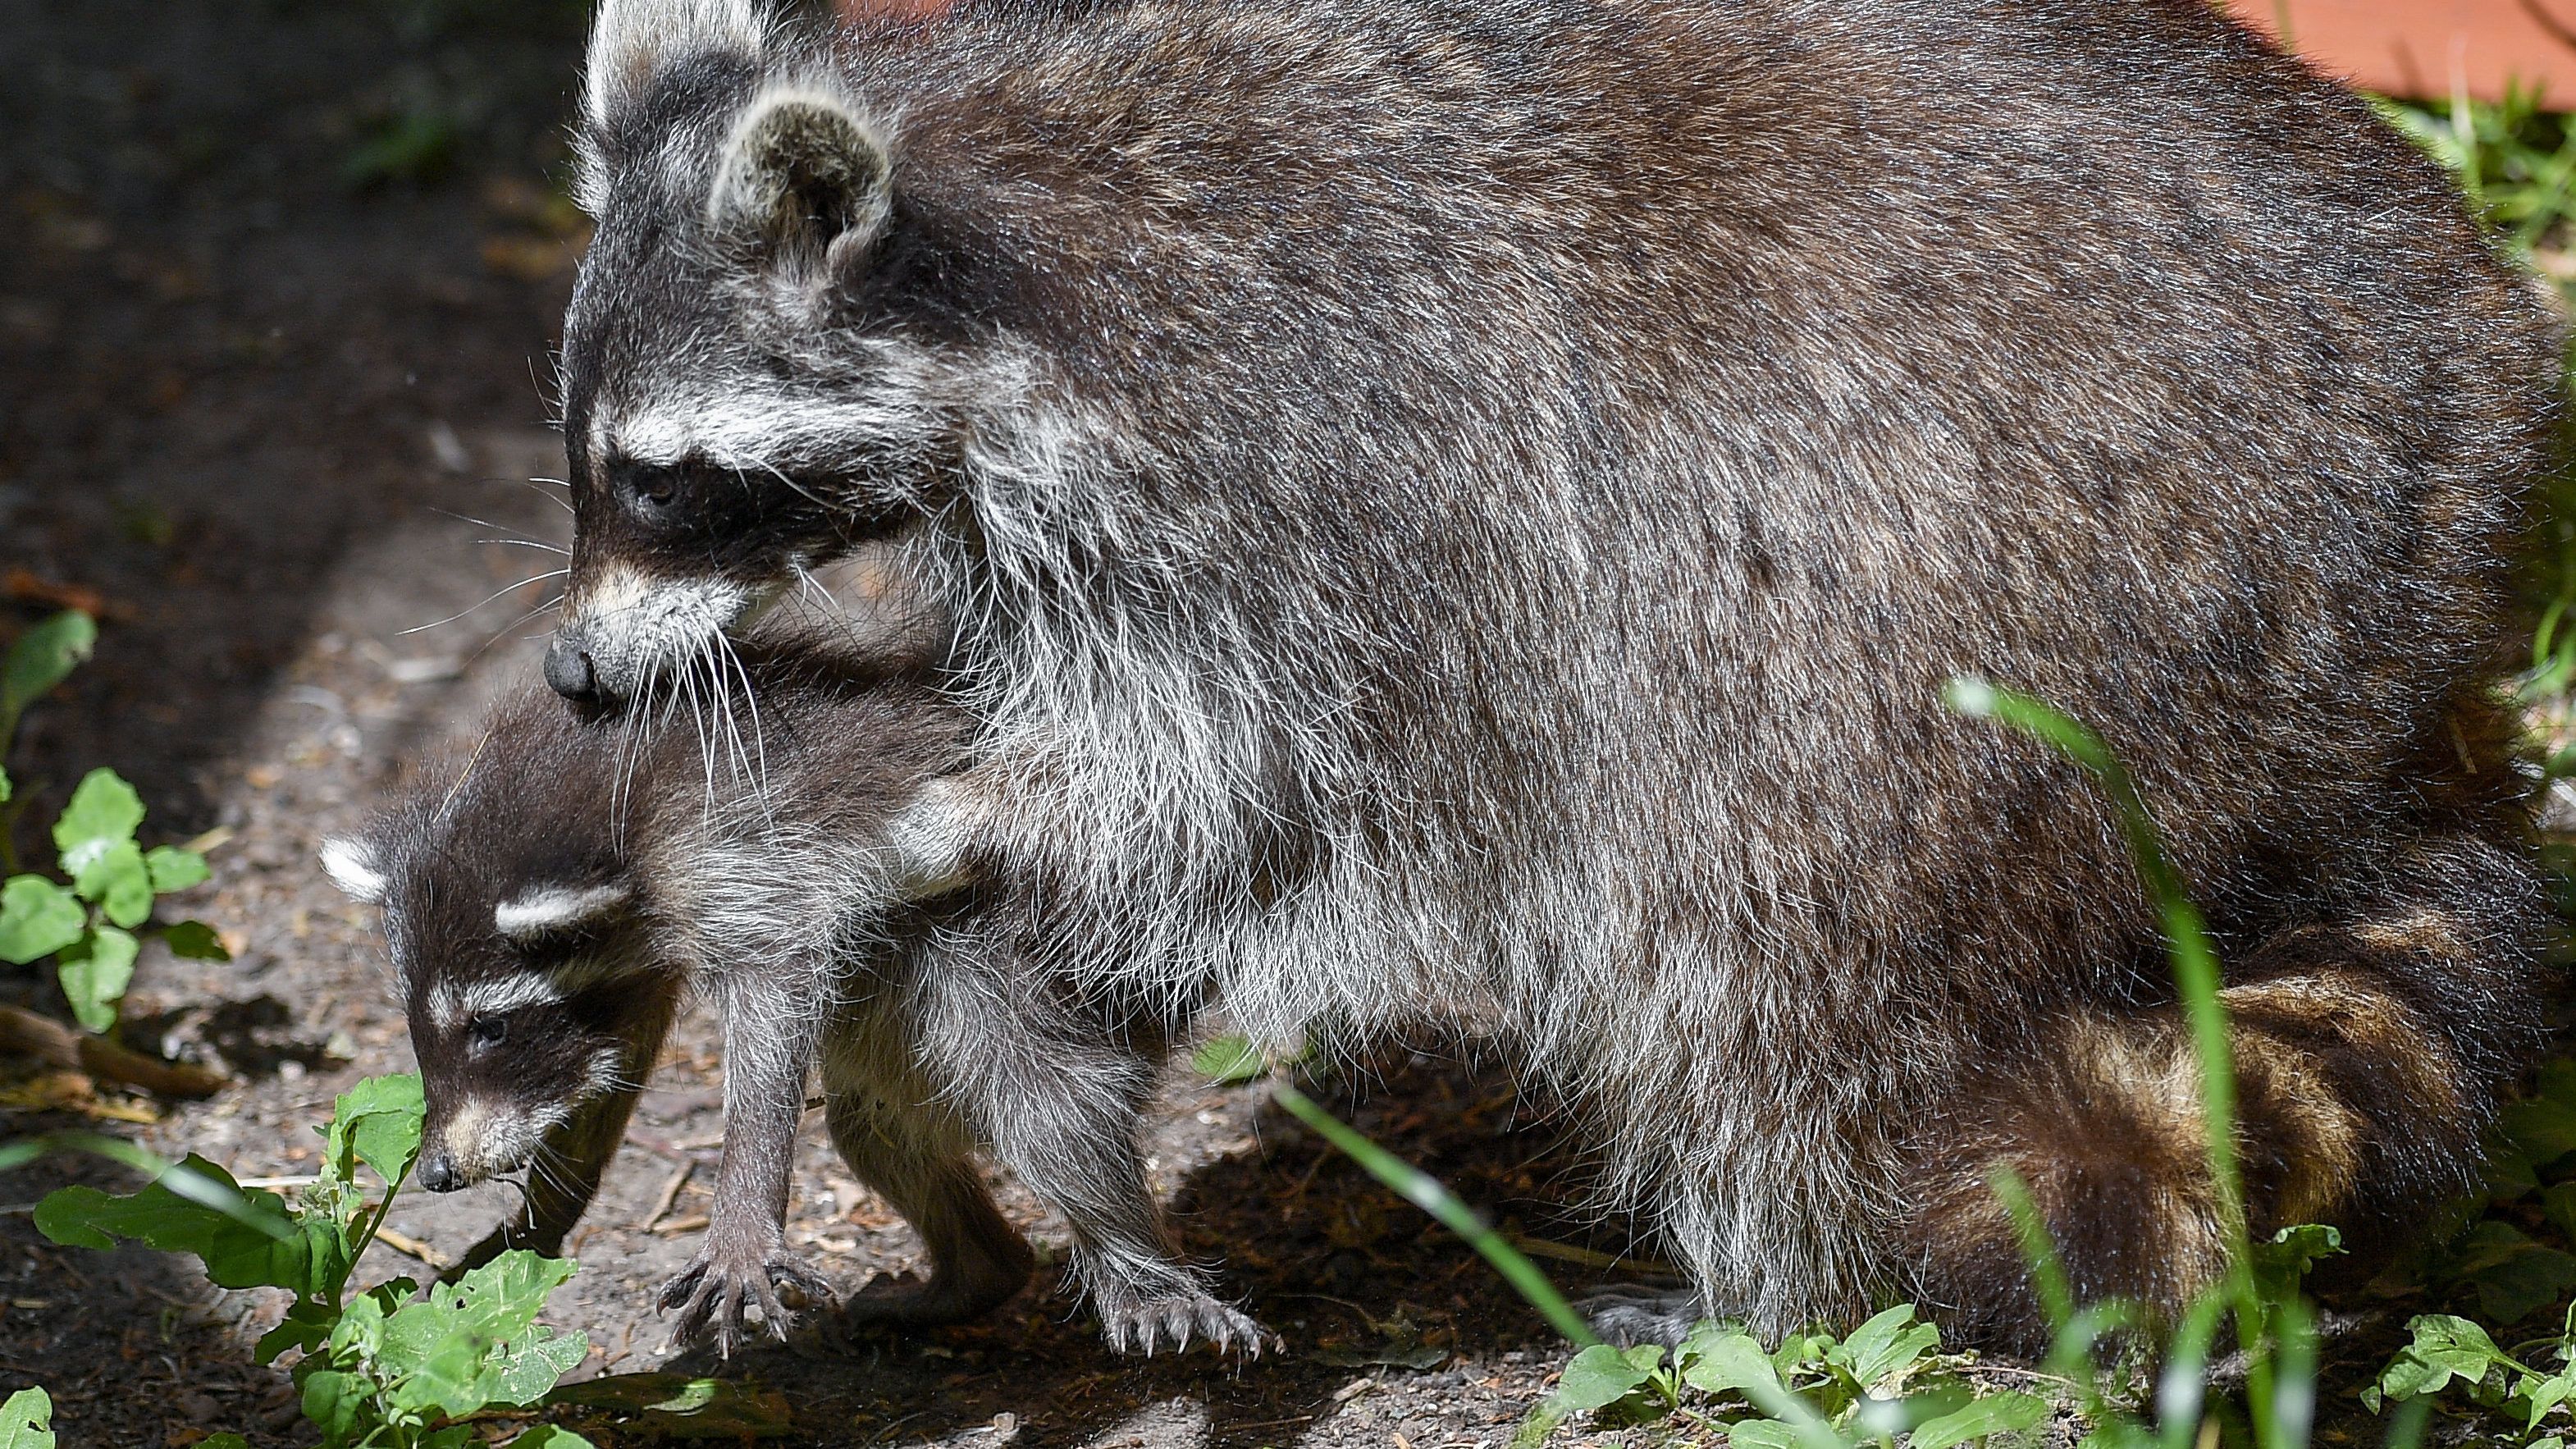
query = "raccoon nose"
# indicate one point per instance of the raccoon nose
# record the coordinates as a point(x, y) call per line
point(438, 1171)
point(569, 673)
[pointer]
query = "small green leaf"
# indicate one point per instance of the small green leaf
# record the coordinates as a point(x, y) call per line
point(37, 918)
point(1720, 1358)
point(336, 1401)
point(226, 1440)
point(2445, 1347)
point(115, 879)
point(196, 941)
point(1762, 1434)
point(1228, 1060)
point(39, 661)
point(95, 971)
point(524, 1369)
point(1601, 1376)
point(2514, 1276)
point(173, 869)
point(307, 1326)
point(27, 1421)
point(1888, 1344)
point(2003, 1413)
point(4, 787)
point(503, 1297)
point(379, 1121)
point(2282, 1263)
point(246, 1238)
point(550, 1436)
point(2544, 1395)
point(104, 812)
point(2543, 1125)
point(436, 1363)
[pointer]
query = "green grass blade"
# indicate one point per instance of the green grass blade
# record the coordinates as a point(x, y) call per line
point(1426, 1192)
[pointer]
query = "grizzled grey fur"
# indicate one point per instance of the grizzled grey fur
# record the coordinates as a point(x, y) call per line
point(1461, 509)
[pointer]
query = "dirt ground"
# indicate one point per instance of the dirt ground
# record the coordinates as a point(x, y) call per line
point(273, 379)
point(284, 277)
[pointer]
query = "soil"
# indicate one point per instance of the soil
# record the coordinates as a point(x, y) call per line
point(274, 354)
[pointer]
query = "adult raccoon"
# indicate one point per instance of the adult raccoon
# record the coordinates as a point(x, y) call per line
point(1454, 504)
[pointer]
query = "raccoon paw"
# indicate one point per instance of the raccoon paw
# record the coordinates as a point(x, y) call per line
point(1626, 1317)
point(907, 1301)
point(715, 1293)
point(1135, 1323)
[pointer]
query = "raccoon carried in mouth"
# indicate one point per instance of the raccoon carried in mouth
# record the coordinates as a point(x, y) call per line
point(552, 898)
point(1468, 510)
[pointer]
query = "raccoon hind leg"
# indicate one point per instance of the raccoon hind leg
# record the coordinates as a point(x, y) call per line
point(915, 1155)
point(2370, 1047)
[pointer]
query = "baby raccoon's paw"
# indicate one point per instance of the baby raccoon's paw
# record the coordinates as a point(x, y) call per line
point(1133, 1322)
point(906, 1301)
point(713, 1295)
point(1627, 1317)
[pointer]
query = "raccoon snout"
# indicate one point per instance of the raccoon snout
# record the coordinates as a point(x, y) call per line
point(569, 671)
point(438, 1171)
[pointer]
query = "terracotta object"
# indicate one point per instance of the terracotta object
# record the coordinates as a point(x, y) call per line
point(853, 11)
point(2426, 48)
point(2432, 48)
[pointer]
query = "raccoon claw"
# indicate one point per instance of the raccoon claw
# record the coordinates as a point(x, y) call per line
point(1146, 1324)
point(712, 1298)
point(1627, 1317)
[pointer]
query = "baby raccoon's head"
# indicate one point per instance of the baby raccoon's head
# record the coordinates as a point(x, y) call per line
point(743, 395)
point(518, 945)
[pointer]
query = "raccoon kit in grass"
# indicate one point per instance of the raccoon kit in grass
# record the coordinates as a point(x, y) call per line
point(1468, 509)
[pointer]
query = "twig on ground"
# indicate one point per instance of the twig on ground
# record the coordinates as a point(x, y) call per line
point(1589, 1258)
point(411, 1247)
point(670, 1192)
point(57, 1045)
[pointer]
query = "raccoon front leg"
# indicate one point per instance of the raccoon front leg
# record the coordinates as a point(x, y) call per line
point(773, 1017)
point(1057, 1102)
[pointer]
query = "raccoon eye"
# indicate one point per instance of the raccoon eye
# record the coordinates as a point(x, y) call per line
point(487, 1031)
point(654, 488)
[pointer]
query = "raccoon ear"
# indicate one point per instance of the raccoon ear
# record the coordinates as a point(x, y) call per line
point(351, 864)
point(550, 911)
point(806, 180)
point(632, 39)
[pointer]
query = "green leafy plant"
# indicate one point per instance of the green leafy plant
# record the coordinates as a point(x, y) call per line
point(93, 926)
point(27, 1421)
point(1816, 1391)
point(2449, 1351)
point(379, 1368)
point(43, 657)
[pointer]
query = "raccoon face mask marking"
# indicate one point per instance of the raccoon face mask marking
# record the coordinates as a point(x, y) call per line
point(715, 452)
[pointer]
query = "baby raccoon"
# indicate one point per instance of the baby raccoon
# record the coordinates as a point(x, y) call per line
point(1468, 508)
point(551, 899)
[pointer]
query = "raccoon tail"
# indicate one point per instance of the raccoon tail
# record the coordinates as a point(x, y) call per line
point(2371, 1047)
